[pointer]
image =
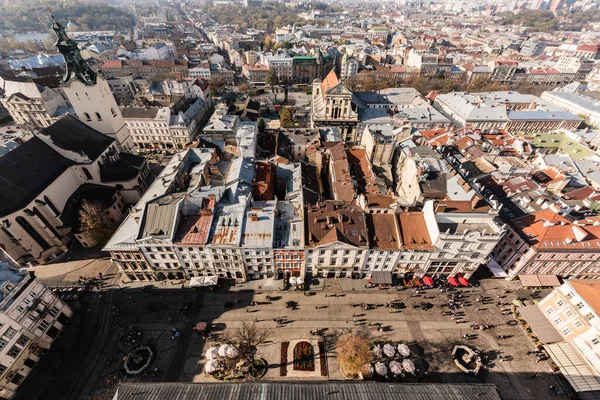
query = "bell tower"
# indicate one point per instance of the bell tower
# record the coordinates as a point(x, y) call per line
point(89, 94)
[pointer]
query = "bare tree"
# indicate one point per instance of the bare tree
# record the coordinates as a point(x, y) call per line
point(94, 221)
point(250, 337)
point(353, 352)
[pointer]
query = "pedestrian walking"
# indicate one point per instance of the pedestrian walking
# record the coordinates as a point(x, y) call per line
point(354, 321)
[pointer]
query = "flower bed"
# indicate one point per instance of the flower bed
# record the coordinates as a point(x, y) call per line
point(323, 358)
point(283, 365)
point(304, 357)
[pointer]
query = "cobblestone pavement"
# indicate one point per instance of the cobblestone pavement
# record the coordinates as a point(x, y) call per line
point(431, 335)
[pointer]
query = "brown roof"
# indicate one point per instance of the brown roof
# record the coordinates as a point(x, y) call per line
point(589, 290)
point(415, 235)
point(112, 64)
point(194, 229)
point(342, 181)
point(357, 156)
point(336, 221)
point(476, 204)
point(384, 233)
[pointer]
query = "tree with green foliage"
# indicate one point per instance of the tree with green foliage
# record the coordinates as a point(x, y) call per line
point(272, 79)
point(261, 125)
point(286, 117)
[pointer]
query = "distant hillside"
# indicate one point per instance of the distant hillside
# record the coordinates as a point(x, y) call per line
point(30, 15)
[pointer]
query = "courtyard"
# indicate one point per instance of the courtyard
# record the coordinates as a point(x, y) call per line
point(91, 352)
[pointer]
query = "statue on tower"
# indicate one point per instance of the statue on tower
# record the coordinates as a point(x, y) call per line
point(75, 64)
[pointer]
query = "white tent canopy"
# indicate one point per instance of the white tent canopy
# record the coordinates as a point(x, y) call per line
point(403, 350)
point(395, 367)
point(232, 352)
point(203, 281)
point(377, 351)
point(293, 280)
point(389, 350)
point(211, 366)
point(211, 353)
point(300, 280)
point(223, 349)
point(380, 368)
point(408, 366)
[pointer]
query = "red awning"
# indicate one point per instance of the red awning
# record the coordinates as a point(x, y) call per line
point(463, 281)
point(452, 280)
point(427, 280)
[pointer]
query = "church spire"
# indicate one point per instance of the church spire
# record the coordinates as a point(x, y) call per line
point(75, 64)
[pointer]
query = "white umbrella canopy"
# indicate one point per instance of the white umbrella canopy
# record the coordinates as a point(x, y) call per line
point(211, 353)
point(389, 350)
point(293, 280)
point(223, 350)
point(380, 368)
point(211, 366)
point(300, 280)
point(232, 352)
point(403, 350)
point(377, 350)
point(408, 366)
point(395, 367)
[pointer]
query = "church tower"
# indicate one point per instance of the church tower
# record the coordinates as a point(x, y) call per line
point(89, 94)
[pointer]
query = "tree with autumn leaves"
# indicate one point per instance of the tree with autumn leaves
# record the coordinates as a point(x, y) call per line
point(94, 222)
point(353, 353)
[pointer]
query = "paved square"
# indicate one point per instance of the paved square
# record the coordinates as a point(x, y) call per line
point(92, 349)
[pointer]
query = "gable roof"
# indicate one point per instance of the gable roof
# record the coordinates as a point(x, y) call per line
point(589, 290)
point(27, 171)
point(71, 134)
point(330, 81)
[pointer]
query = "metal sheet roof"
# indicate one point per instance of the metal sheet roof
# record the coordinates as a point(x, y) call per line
point(305, 391)
point(539, 280)
point(574, 368)
point(543, 328)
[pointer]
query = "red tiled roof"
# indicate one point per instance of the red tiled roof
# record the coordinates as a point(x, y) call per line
point(336, 221)
point(112, 64)
point(415, 235)
point(330, 81)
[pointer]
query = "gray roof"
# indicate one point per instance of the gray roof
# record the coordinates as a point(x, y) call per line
point(542, 115)
point(139, 112)
point(159, 221)
point(306, 391)
point(71, 134)
point(26, 172)
point(586, 102)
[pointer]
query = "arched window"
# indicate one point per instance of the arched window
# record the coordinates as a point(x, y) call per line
point(87, 116)
point(87, 173)
point(45, 221)
point(52, 206)
point(113, 112)
point(32, 232)
point(98, 117)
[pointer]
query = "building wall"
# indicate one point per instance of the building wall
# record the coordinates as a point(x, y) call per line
point(31, 317)
point(336, 259)
point(96, 106)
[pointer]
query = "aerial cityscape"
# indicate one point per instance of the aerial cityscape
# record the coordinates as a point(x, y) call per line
point(307, 199)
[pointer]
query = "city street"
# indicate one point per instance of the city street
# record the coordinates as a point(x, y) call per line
point(92, 349)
